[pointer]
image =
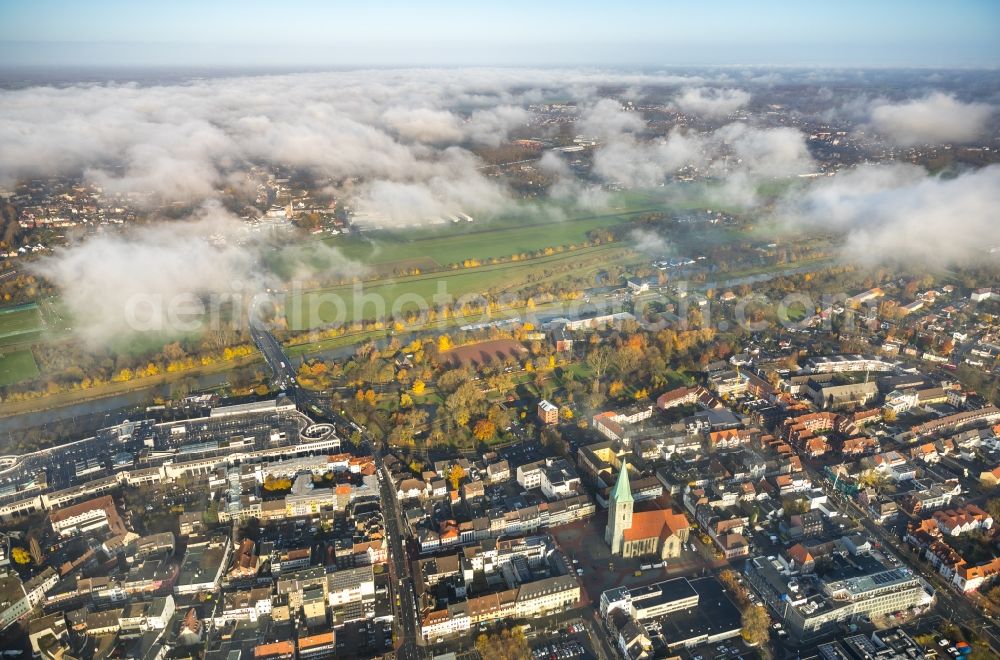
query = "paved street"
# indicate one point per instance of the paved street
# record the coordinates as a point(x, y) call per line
point(282, 371)
point(406, 611)
point(402, 584)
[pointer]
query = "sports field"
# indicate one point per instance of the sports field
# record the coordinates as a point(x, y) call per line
point(17, 366)
point(485, 352)
point(20, 323)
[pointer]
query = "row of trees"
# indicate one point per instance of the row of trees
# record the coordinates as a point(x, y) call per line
point(68, 368)
point(755, 620)
point(524, 256)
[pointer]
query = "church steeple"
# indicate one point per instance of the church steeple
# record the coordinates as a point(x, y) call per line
point(622, 491)
point(619, 512)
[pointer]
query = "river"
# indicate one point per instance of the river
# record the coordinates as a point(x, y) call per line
point(112, 409)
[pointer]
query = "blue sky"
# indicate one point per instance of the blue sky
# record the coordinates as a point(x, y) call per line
point(513, 32)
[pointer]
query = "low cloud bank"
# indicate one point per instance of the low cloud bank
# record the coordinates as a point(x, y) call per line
point(164, 279)
point(899, 214)
point(934, 119)
point(712, 103)
point(403, 144)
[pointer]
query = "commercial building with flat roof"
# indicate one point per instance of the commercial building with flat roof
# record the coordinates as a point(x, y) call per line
point(13, 601)
point(677, 613)
point(811, 605)
point(651, 600)
point(203, 567)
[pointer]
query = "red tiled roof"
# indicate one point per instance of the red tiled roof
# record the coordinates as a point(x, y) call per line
point(660, 523)
point(105, 502)
point(316, 640)
point(274, 648)
point(799, 554)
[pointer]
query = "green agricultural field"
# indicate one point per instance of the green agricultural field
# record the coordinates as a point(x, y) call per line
point(19, 323)
point(322, 307)
point(498, 238)
point(526, 229)
point(16, 367)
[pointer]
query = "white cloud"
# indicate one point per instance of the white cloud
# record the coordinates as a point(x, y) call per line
point(607, 119)
point(766, 151)
point(713, 103)
point(424, 124)
point(554, 164)
point(898, 213)
point(490, 126)
point(395, 140)
point(184, 141)
point(934, 119)
point(735, 150)
point(651, 243)
point(395, 203)
point(568, 188)
point(119, 284)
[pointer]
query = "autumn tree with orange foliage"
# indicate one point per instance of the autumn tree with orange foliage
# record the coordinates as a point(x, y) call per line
point(484, 430)
point(455, 476)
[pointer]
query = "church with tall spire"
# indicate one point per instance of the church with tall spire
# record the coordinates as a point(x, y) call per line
point(619, 512)
point(657, 533)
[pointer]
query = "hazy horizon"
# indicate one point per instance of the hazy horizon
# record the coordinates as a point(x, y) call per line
point(304, 35)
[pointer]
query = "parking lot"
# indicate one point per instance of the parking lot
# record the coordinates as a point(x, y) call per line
point(110, 448)
point(558, 650)
point(564, 637)
point(364, 637)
